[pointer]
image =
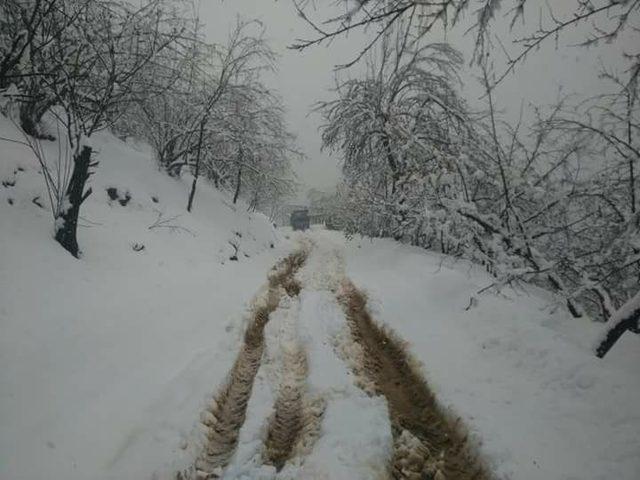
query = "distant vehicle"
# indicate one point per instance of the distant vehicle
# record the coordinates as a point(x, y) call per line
point(300, 219)
point(332, 223)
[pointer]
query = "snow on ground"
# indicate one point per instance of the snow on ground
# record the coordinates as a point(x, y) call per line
point(355, 441)
point(280, 335)
point(523, 378)
point(108, 360)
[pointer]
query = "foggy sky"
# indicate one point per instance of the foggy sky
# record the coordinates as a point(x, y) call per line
point(304, 78)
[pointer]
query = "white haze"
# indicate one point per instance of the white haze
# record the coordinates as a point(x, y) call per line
point(303, 78)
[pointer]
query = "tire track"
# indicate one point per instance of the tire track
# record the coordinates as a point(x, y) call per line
point(287, 422)
point(428, 443)
point(295, 423)
point(283, 420)
point(226, 412)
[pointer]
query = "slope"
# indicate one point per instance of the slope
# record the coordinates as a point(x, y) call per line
point(107, 360)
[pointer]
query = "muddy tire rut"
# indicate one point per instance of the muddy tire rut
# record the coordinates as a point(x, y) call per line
point(294, 425)
point(286, 424)
point(428, 442)
point(226, 412)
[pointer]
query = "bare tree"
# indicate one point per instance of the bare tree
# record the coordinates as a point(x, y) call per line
point(418, 19)
point(27, 30)
point(607, 260)
point(92, 74)
point(398, 124)
point(420, 167)
point(22, 25)
point(216, 118)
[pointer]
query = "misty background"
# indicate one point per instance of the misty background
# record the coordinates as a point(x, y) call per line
point(559, 68)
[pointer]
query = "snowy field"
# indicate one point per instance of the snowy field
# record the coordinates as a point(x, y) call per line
point(108, 361)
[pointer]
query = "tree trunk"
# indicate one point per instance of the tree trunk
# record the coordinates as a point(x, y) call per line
point(574, 308)
point(632, 180)
point(626, 318)
point(238, 183)
point(632, 186)
point(67, 220)
point(166, 158)
point(393, 164)
point(197, 172)
point(31, 113)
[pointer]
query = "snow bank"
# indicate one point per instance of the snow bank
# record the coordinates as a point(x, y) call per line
point(107, 360)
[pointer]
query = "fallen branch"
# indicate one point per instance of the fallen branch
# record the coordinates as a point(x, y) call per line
point(166, 223)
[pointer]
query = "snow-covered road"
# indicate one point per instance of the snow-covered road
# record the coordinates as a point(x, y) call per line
point(352, 439)
point(534, 400)
point(516, 370)
point(346, 400)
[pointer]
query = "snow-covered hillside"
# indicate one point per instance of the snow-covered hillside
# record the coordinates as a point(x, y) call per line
point(106, 360)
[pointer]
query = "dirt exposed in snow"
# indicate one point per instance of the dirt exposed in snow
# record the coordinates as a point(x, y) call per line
point(286, 424)
point(428, 443)
point(227, 411)
point(295, 423)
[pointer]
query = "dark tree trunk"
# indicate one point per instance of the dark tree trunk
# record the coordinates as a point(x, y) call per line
point(68, 219)
point(31, 113)
point(573, 308)
point(167, 159)
point(254, 203)
point(632, 179)
point(626, 318)
point(393, 164)
point(238, 183)
point(197, 171)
